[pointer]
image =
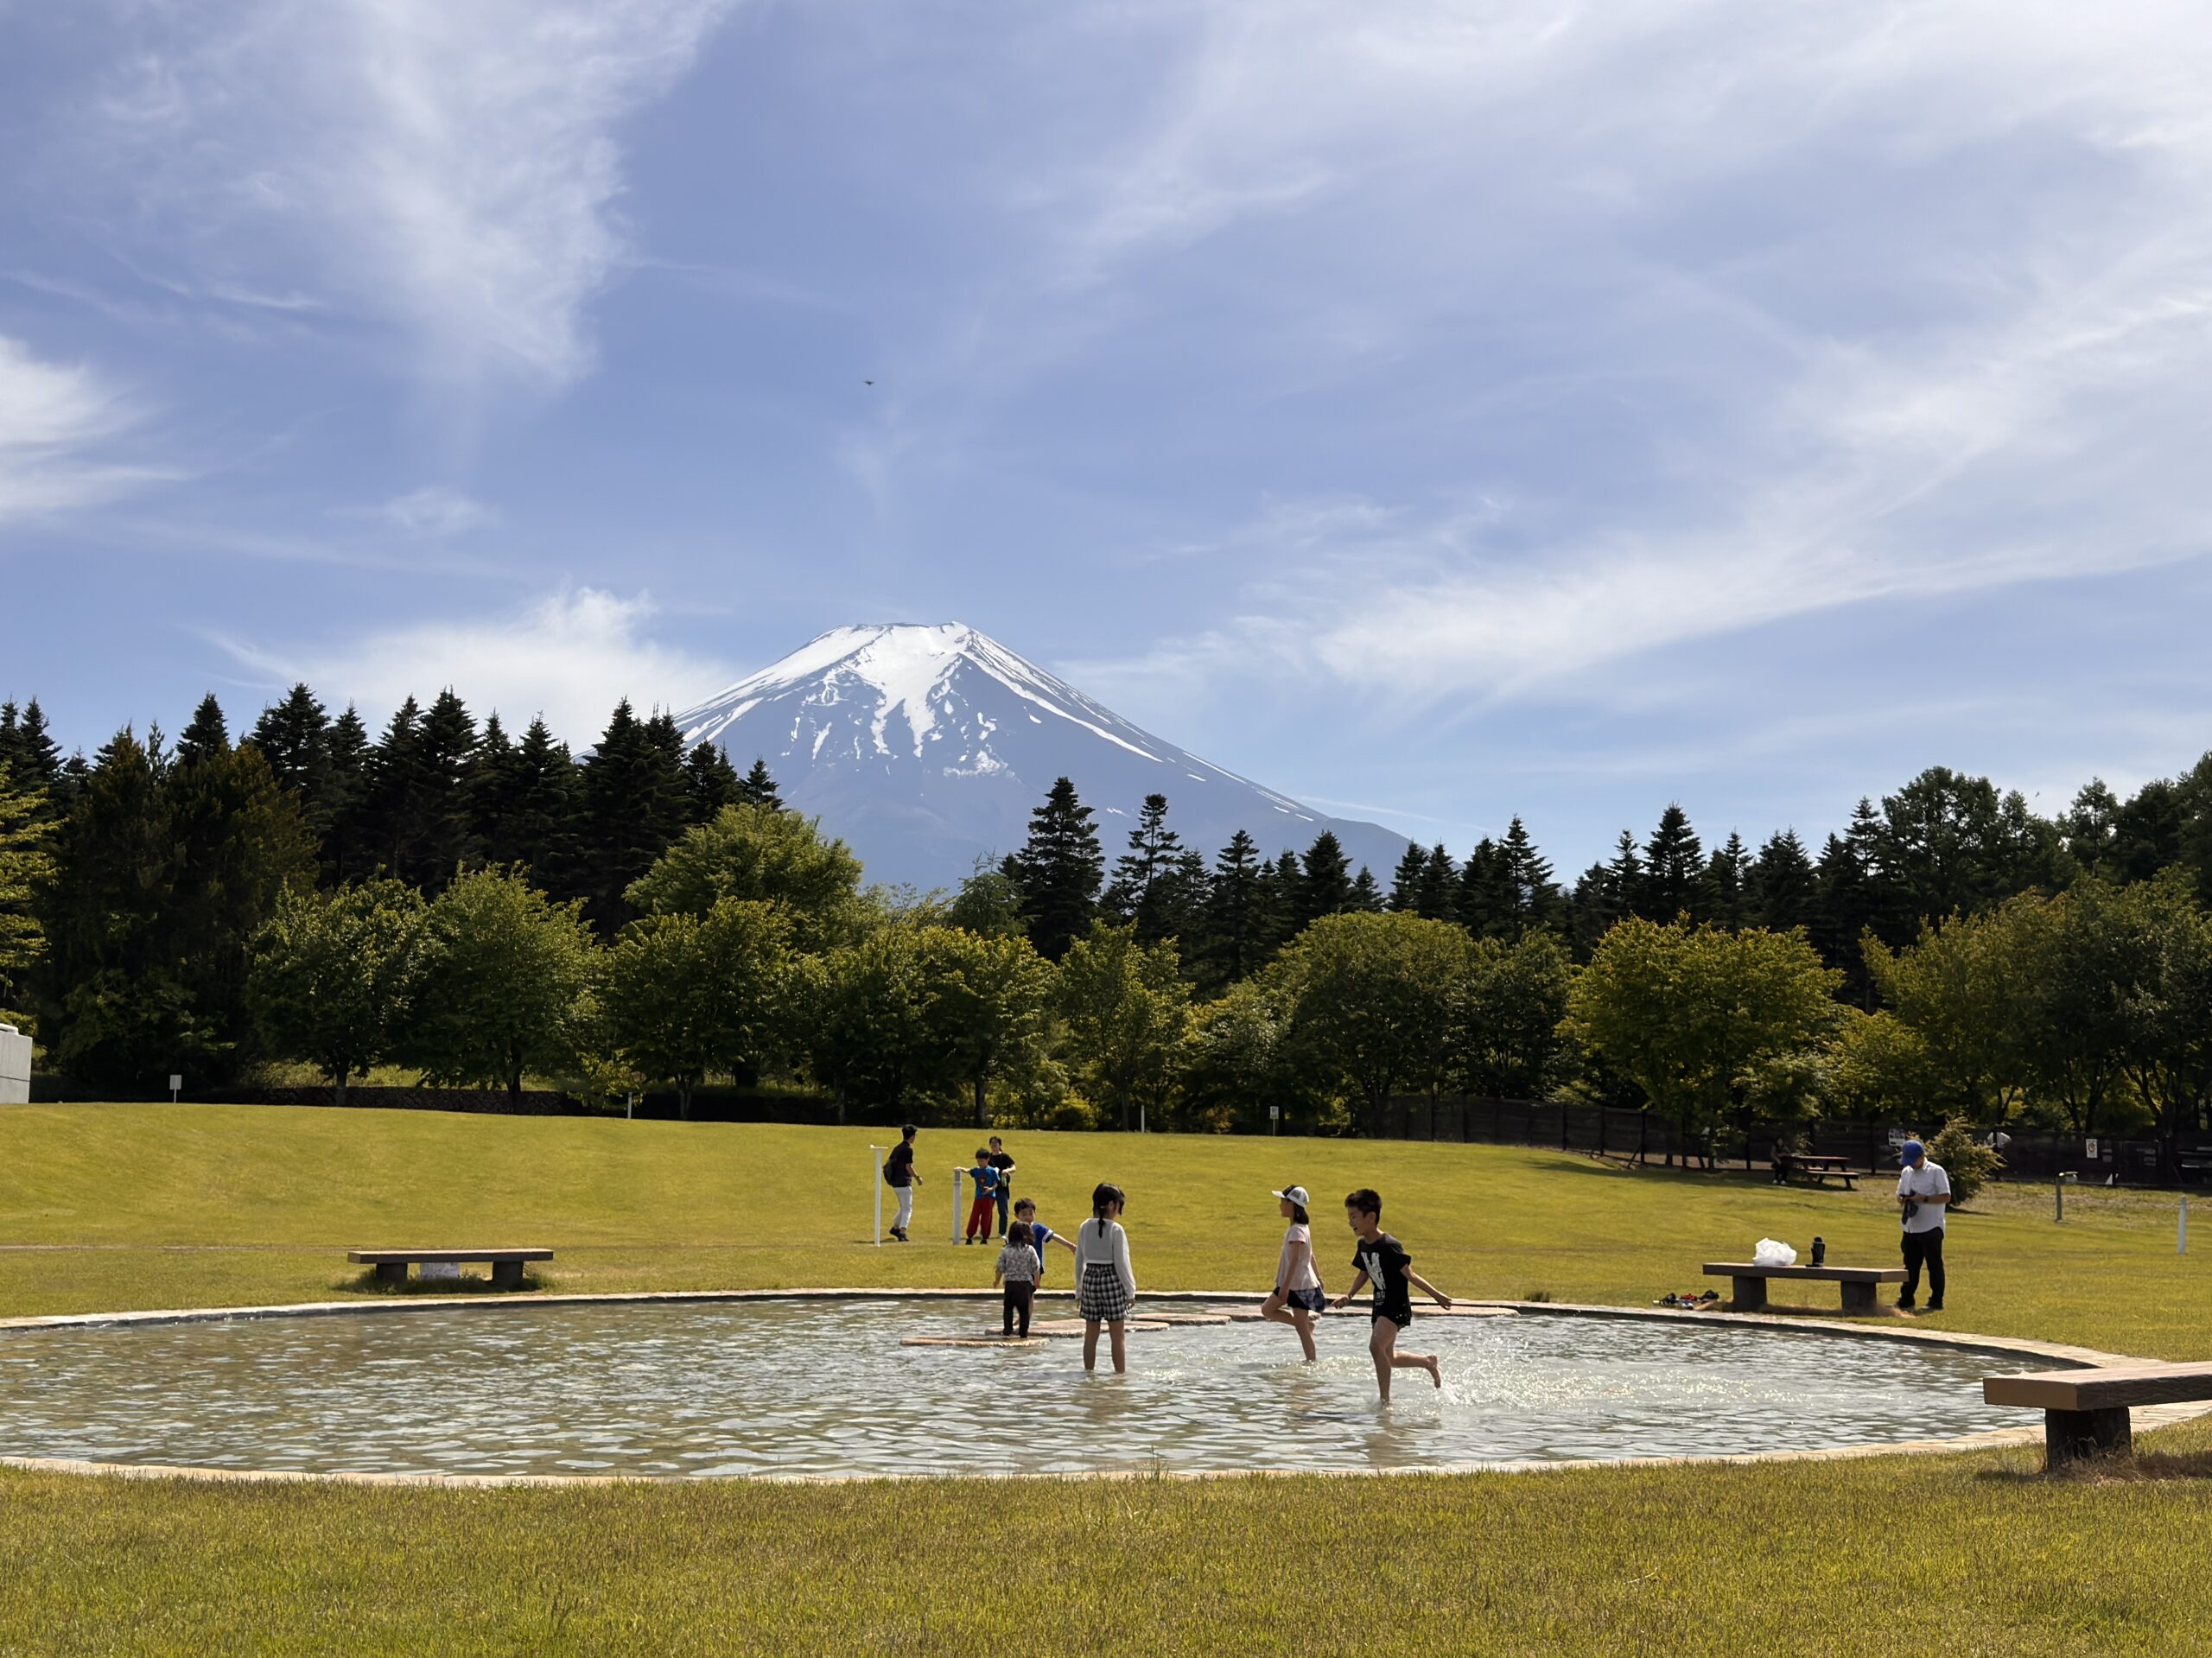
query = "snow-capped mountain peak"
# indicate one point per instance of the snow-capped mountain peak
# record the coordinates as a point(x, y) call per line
point(926, 745)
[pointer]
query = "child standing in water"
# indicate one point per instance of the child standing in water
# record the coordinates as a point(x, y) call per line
point(1297, 1295)
point(1041, 1235)
point(1017, 1269)
point(1105, 1285)
point(1383, 1261)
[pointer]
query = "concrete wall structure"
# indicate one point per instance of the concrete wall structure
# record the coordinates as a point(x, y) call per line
point(15, 1066)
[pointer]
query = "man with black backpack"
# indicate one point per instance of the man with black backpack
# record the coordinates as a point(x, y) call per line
point(902, 1177)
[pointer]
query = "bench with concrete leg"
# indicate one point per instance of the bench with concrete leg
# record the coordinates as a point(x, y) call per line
point(391, 1265)
point(2085, 1412)
point(1858, 1282)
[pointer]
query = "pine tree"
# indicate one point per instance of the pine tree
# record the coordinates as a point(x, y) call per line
point(1324, 880)
point(1278, 893)
point(1366, 892)
point(526, 810)
point(1405, 883)
point(348, 841)
point(1487, 903)
point(1727, 875)
point(1673, 871)
point(1845, 902)
point(29, 752)
point(757, 788)
point(633, 809)
point(1779, 892)
point(1435, 893)
point(1238, 922)
point(206, 737)
point(293, 736)
point(1140, 892)
point(395, 790)
point(1059, 869)
point(1536, 897)
point(710, 782)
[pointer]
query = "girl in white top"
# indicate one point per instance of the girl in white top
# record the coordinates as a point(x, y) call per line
point(1298, 1294)
point(1104, 1284)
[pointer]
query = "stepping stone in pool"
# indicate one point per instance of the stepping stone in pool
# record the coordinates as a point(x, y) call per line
point(972, 1341)
point(1161, 1319)
point(1061, 1328)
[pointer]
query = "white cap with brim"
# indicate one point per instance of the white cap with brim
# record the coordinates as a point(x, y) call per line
point(1296, 1194)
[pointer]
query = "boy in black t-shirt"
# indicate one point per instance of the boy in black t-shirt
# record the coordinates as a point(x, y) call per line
point(1383, 1261)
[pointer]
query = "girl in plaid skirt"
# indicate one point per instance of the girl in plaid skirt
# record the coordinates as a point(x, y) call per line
point(1104, 1285)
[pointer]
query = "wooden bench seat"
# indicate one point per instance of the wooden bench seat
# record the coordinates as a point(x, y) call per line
point(2085, 1411)
point(1750, 1295)
point(391, 1265)
point(1789, 1166)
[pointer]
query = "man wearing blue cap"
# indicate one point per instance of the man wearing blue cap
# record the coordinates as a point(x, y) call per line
point(1924, 1195)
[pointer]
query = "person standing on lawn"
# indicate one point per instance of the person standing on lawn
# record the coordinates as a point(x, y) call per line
point(1004, 1164)
point(1384, 1262)
point(1924, 1199)
point(983, 1180)
point(1297, 1296)
point(1105, 1285)
point(902, 1177)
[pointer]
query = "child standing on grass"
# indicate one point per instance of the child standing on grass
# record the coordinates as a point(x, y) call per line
point(1297, 1295)
point(1040, 1233)
point(1384, 1262)
point(984, 1181)
point(1105, 1285)
point(1017, 1267)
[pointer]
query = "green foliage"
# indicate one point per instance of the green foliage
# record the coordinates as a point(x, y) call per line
point(988, 903)
point(857, 1018)
point(984, 1006)
point(1125, 1011)
point(764, 854)
point(681, 995)
point(505, 970)
point(1506, 1016)
point(1372, 1001)
point(1970, 1163)
point(24, 866)
point(334, 975)
point(1059, 869)
point(1687, 1013)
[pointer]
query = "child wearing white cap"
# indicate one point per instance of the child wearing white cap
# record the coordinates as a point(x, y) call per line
point(1298, 1294)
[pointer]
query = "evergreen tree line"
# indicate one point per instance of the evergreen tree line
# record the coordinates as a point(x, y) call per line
point(209, 904)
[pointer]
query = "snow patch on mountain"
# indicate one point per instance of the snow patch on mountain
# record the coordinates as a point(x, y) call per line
point(925, 746)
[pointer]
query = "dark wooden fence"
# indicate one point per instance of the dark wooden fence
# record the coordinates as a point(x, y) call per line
point(1613, 1131)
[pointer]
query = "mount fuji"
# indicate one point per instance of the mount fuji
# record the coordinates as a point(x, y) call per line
point(925, 747)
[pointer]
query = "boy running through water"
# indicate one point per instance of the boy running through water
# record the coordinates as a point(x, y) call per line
point(1383, 1261)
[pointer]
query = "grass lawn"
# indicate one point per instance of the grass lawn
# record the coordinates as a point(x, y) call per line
point(106, 1207)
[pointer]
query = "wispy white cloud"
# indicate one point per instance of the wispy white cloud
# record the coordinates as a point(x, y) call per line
point(59, 424)
point(429, 512)
point(452, 170)
point(570, 656)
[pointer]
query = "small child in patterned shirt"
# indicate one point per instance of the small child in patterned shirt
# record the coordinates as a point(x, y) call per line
point(1017, 1268)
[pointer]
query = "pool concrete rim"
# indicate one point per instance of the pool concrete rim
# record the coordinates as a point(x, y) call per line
point(2058, 1353)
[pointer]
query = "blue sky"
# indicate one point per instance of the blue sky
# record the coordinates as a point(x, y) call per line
point(1433, 411)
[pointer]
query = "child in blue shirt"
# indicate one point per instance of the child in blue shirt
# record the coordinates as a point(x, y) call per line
point(983, 1181)
point(1040, 1233)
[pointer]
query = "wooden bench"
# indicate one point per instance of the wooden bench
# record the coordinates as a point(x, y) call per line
point(1821, 1169)
point(2085, 1412)
point(1858, 1282)
point(391, 1265)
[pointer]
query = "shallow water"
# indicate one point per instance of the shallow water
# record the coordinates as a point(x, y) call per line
point(734, 1389)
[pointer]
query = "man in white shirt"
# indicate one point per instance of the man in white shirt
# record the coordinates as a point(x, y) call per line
point(1924, 1197)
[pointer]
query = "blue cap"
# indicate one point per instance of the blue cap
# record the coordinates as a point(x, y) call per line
point(1912, 1152)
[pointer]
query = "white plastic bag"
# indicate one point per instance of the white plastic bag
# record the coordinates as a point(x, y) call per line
point(1773, 1252)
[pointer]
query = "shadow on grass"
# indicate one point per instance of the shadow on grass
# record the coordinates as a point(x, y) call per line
point(365, 1283)
point(2145, 1468)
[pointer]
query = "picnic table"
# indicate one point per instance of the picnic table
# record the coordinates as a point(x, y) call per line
point(1817, 1166)
point(1750, 1280)
point(2085, 1411)
point(391, 1265)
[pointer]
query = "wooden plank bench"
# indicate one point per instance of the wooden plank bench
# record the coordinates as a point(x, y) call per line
point(2085, 1411)
point(1750, 1296)
point(391, 1265)
point(1821, 1169)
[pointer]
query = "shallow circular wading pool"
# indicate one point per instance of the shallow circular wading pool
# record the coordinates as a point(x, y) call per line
point(825, 1386)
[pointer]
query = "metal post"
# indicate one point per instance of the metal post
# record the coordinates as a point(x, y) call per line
point(876, 1180)
point(2058, 1199)
point(2181, 1234)
point(955, 1205)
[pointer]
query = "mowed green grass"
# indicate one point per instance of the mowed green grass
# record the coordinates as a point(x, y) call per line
point(129, 1206)
point(122, 1206)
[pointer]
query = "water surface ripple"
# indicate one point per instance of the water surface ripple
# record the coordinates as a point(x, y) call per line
point(824, 1387)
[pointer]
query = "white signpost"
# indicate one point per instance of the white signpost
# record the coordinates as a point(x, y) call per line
point(15, 1066)
point(1275, 1115)
point(176, 1086)
point(956, 1175)
point(875, 1177)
